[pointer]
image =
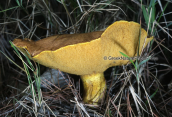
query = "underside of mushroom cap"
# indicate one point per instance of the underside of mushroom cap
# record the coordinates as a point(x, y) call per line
point(84, 54)
point(123, 36)
point(74, 58)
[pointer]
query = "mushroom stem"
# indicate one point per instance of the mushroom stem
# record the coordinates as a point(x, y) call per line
point(94, 87)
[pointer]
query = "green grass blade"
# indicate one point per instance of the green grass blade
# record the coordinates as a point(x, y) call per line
point(144, 61)
point(129, 59)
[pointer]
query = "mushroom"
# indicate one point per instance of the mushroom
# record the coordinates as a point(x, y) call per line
point(88, 54)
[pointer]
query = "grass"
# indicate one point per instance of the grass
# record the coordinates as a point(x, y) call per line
point(132, 90)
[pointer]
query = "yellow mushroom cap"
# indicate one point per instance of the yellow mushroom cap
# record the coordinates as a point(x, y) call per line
point(83, 54)
point(123, 36)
